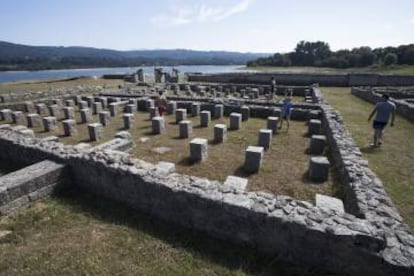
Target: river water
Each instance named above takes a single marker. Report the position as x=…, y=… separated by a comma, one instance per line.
x=10, y=76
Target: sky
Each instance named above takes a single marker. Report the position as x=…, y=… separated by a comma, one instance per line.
x=266, y=26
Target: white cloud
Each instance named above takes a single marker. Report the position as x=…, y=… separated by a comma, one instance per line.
x=411, y=21
x=200, y=14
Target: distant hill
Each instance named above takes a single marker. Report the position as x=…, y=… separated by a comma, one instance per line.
x=24, y=57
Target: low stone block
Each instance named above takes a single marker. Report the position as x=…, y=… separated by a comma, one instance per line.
x=90, y=100
x=185, y=129
x=131, y=108
x=29, y=107
x=86, y=115
x=265, y=138
x=171, y=108
x=235, y=121
x=220, y=133
x=69, y=112
x=235, y=183
x=18, y=117
x=253, y=159
x=33, y=120
x=54, y=110
x=50, y=123
x=41, y=109
x=83, y=105
x=6, y=115
x=245, y=112
x=205, y=118
x=129, y=119
x=180, y=115
x=330, y=203
x=158, y=125
x=314, y=127
x=96, y=107
x=272, y=123
x=218, y=111
x=69, y=103
x=198, y=149
x=104, y=102
x=95, y=131
x=149, y=103
x=69, y=127
x=113, y=109
x=153, y=112
x=28, y=133
x=317, y=144
x=195, y=109
x=104, y=117
x=318, y=168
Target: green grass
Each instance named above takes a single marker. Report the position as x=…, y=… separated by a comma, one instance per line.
x=396, y=69
x=394, y=161
x=79, y=234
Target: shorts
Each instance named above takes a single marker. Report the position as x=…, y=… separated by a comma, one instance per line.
x=378, y=125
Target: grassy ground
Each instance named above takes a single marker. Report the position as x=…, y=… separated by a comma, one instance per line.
x=394, y=161
x=55, y=84
x=78, y=234
x=396, y=69
x=283, y=171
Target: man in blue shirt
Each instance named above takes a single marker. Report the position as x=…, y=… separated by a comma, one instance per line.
x=383, y=111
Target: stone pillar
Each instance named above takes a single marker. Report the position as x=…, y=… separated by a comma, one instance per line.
x=33, y=120
x=104, y=118
x=153, y=111
x=104, y=102
x=69, y=112
x=265, y=138
x=314, y=126
x=131, y=108
x=318, y=168
x=83, y=105
x=253, y=159
x=54, y=110
x=78, y=99
x=6, y=115
x=96, y=108
x=235, y=120
x=195, y=109
x=185, y=128
x=113, y=109
x=205, y=118
x=86, y=115
x=70, y=103
x=180, y=115
x=272, y=123
x=245, y=112
x=41, y=109
x=218, y=111
x=69, y=127
x=317, y=144
x=158, y=125
x=220, y=133
x=95, y=131
x=18, y=117
x=149, y=103
x=198, y=149
x=29, y=107
x=90, y=100
x=171, y=107
x=129, y=119
x=50, y=123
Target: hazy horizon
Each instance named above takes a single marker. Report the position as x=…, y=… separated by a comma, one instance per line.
x=256, y=26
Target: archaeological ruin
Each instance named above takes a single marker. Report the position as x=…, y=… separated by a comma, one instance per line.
x=84, y=139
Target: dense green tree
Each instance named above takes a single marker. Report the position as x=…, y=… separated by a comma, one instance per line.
x=390, y=59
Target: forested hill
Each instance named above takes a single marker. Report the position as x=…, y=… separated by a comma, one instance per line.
x=24, y=57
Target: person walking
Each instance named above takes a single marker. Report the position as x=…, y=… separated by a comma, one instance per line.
x=286, y=110
x=272, y=88
x=383, y=111
x=161, y=103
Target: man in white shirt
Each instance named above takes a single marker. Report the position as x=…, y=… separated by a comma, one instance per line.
x=383, y=111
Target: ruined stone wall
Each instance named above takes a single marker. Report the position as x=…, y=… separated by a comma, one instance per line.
x=280, y=226
x=306, y=79
x=404, y=108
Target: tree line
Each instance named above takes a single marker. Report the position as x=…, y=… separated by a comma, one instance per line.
x=319, y=54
